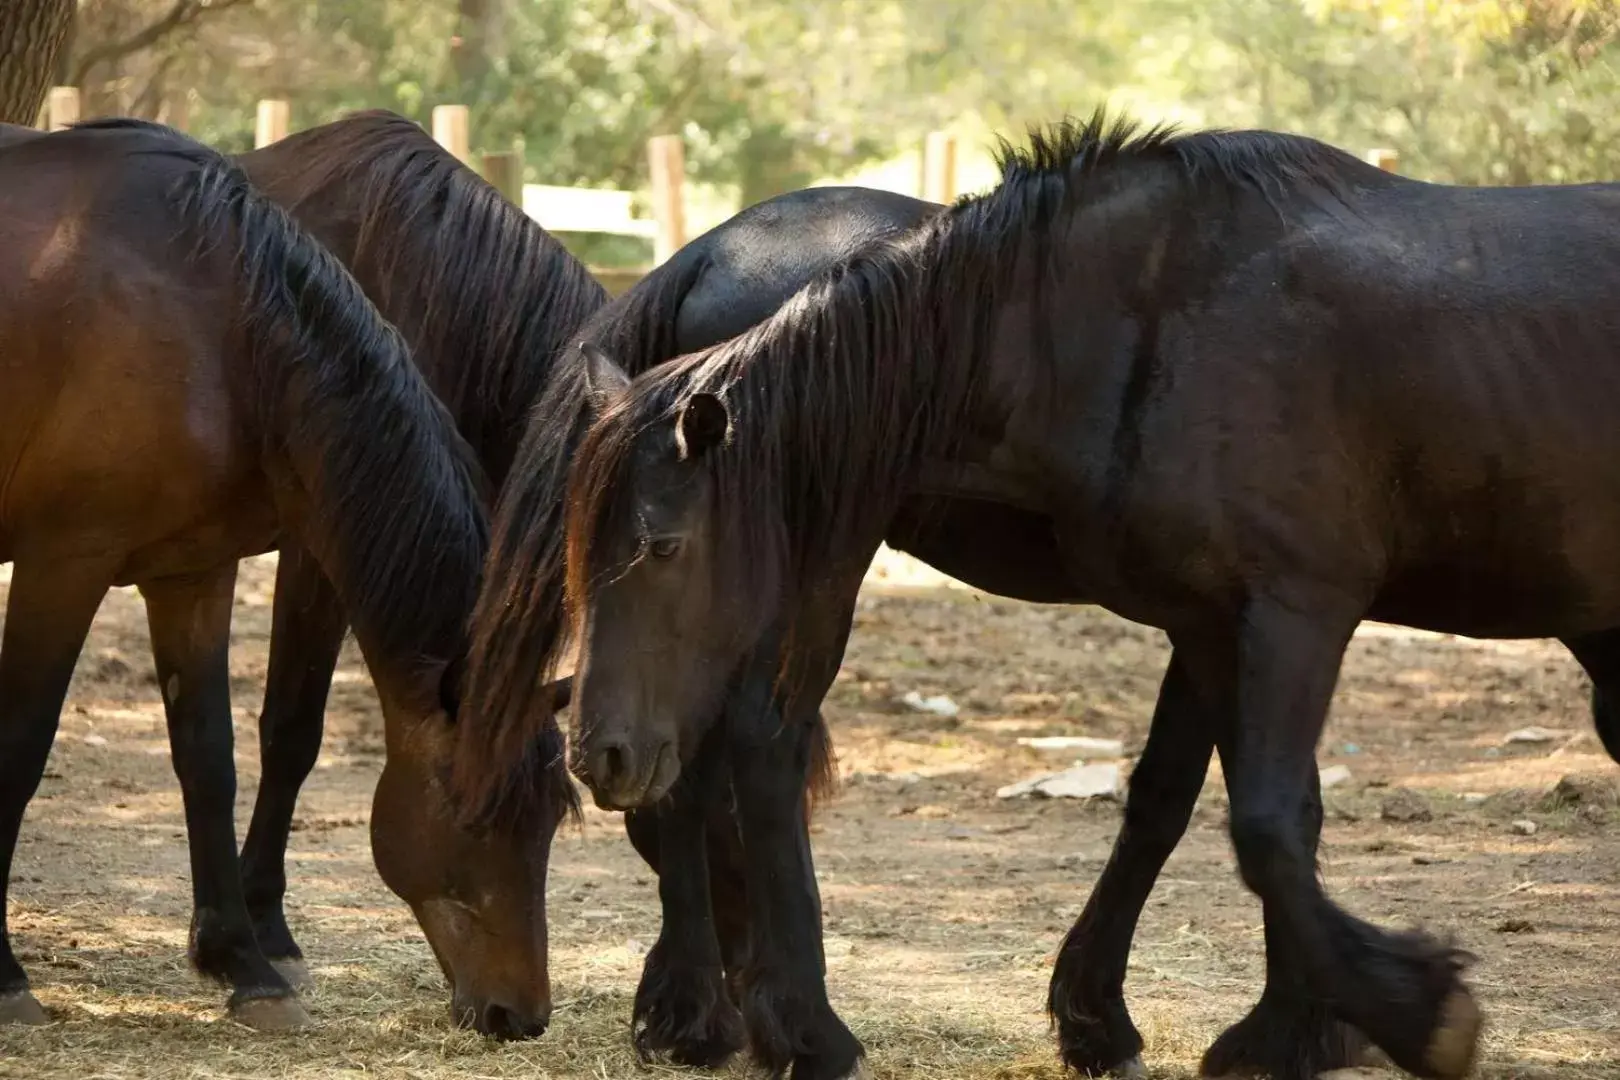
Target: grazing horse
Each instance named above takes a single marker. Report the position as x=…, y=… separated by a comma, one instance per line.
x=714, y=288
x=485, y=299
x=1261, y=390
x=188, y=379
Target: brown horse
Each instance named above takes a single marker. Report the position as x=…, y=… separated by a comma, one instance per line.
x=188, y=380
x=486, y=299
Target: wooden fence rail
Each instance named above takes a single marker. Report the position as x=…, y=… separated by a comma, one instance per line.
x=591, y=210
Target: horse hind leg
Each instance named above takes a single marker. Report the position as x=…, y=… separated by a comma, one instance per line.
x=1086, y=999
x=1599, y=655
x=190, y=620
x=48, y=614
x=306, y=636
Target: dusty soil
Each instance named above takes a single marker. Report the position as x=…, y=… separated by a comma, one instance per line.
x=943, y=903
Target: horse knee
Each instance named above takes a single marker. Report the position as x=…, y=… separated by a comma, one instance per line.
x=1267, y=843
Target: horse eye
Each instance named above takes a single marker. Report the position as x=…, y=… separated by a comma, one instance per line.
x=664, y=547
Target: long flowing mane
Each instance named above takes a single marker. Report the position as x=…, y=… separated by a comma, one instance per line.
x=871, y=370
x=519, y=626
x=338, y=398
x=486, y=297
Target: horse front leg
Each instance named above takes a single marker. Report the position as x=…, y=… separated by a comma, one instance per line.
x=682, y=1006
x=1402, y=989
x=48, y=613
x=190, y=621
x=1086, y=999
x=306, y=635
x=783, y=984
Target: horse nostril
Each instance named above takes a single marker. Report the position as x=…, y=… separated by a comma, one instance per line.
x=612, y=764
x=504, y=1023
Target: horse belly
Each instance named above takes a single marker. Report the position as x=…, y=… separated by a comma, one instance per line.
x=1555, y=574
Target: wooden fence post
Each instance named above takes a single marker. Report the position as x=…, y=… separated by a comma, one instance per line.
x=275, y=116
x=450, y=129
x=62, y=107
x=1385, y=159
x=939, y=167
x=504, y=171
x=666, y=160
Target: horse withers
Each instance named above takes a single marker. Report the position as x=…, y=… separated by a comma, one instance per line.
x=185, y=380
x=1260, y=389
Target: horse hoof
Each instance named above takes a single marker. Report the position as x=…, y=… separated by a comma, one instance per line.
x=296, y=972
x=270, y=1014
x=1130, y=1069
x=1452, y=1047
x=21, y=1007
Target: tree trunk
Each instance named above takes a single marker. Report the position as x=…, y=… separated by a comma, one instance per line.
x=32, y=33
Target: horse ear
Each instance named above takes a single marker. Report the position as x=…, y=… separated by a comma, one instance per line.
x=702, y=425
x=604, y=379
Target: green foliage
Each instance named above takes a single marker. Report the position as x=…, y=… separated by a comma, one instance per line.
x=772, y=94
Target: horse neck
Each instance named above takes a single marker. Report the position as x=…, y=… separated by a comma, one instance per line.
x=864, y=377
x=484, y=297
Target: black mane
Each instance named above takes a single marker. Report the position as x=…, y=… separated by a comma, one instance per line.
x=487, y=298
x=406, y=534
x=1265, y=160
x=520, y=624
x=338, y=398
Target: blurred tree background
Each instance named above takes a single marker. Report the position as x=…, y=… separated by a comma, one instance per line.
x=771, y=94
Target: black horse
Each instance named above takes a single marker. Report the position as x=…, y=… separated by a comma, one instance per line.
x=719, y=285
x=1260, y=390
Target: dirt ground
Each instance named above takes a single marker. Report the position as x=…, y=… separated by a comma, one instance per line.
x=943, y=903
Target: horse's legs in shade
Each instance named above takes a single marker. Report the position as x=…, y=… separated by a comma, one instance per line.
x=305, y=637
x=1403, y=990
x=1087, y=995
x=190, y=620
x=728, y=890
x=1599, y=654
x=784, y=987
x=681, y=1002
x=48, y=614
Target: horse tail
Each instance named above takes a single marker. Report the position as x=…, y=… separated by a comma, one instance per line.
x=364, y=461
x=1606, y=718
x=822, y=782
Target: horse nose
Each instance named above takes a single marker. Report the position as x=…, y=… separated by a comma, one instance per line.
x=508, y=1024
x=611, y=766
x=499, y=1020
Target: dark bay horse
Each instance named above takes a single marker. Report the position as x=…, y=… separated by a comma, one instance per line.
x=485, y=299
x=714, y=288
x=1260, y=389
x=189, y=379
